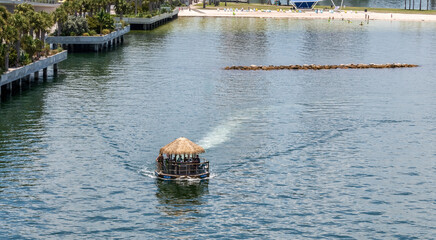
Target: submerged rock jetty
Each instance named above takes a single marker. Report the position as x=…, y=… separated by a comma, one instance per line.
x=321, y=67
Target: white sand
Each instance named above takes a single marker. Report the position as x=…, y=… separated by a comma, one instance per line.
x=347, y=15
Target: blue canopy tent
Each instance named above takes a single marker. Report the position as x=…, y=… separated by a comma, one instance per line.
x=304, y=4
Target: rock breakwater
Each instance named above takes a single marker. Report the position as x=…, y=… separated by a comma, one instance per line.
x=321, y=67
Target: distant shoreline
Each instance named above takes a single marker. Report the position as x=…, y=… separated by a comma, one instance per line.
x=339, y=15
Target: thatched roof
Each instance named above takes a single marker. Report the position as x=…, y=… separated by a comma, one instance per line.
x=181, y=146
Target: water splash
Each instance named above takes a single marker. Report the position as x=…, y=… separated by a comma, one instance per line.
x=224, y=131
x=146, y=172
x=150, y=173
x=220, y=134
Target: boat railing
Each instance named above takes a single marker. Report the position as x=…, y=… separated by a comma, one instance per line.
x=183, y=168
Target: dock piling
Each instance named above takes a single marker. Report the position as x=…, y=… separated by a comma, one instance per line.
x=20, y=85
x=9, y=89
x=55, y=69
x=44, y=74
x=36, y=76
x=29, y=83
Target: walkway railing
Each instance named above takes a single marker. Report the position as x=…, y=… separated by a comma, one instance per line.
x=183, y=168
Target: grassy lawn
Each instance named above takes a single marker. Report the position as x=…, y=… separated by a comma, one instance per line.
x=273, y=7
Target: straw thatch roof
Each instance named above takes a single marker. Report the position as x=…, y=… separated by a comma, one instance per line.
x=181, y=146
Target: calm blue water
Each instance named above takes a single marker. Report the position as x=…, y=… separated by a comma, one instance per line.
x=294, y=154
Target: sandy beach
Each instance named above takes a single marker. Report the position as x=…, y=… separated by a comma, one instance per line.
x=346, y=15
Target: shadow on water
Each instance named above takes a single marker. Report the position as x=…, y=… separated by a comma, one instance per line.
x=181, y=197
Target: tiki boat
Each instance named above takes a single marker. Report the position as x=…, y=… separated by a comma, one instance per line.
x=179, y=160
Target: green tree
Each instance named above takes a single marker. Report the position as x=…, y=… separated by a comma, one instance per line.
x=9, y=36
x=30, y=45
x=121, y=7
x=47, y=24
x=28, y=12
x=60, y=15
x=21, y=24
x=104, y=20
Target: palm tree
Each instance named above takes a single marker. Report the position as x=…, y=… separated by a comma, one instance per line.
x=36, y=24
x=60, y=16
x=4, y=15
x=22, y=26
x=121, y=7
x=47, y=23
x=9, y=35
x=28, y=12
x=101, y=18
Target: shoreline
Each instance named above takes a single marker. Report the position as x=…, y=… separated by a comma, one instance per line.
x=346, y=15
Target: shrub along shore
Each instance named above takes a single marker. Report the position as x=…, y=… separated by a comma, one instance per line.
x=22, y=36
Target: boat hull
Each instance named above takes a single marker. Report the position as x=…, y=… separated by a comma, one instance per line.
x=166, y=176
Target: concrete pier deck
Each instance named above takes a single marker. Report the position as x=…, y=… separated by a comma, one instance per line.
x=16, y=76
x=150, y=23
x=91, y=43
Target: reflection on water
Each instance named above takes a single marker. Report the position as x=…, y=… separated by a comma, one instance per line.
x=181, y=197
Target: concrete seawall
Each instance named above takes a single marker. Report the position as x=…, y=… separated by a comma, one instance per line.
x=150, y=23
x=90, y=43
x=15, y=77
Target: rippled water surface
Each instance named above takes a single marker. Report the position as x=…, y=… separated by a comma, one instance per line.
x=294, y=154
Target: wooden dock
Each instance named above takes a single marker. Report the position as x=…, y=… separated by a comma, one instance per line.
x=90, y=43
x=16, y=77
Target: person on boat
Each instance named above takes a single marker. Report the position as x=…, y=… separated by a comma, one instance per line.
x=167, y=164
x=159, y=160
x=197, y=159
